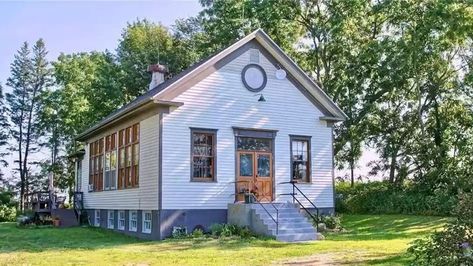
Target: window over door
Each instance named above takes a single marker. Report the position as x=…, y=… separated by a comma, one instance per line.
x=203, y=154
x=300, y=159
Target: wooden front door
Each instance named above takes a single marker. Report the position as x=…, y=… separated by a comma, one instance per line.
x=255, y=174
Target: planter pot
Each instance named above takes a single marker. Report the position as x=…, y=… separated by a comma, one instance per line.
x=249, y=199
x=56, y=223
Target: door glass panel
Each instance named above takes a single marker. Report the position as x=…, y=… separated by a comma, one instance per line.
x=246, y=164
x=264, y=165
x=253, y=144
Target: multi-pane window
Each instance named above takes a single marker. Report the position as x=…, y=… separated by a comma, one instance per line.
x=97, y=218
x=146, y=222
x=133, y=224
x=300, y=158
x=203, y=150
x=96, y=165
x=121, y=220
x=110, y=161
x=111, y=220
x=128, y=157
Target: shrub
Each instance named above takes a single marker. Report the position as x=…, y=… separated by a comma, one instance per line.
x=332, y=221
x=7, y=214
x=198, y=233
x=454, y=245
x=385, y=198
x=227, y=230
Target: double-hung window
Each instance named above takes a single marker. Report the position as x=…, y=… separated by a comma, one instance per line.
x=129, y=157
x=121, y=220
x=146, y=227
x=203, y=154
x=97, y=218
x=300, y=159
x=96, y=165
x=111, y=220
x=110, y=161
x=133, y=223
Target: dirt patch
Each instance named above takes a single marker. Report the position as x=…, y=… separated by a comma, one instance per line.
x=313, y=260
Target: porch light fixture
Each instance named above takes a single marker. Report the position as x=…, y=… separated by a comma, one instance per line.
x=261, y=97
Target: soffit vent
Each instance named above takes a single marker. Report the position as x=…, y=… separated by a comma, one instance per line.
x=254, y=56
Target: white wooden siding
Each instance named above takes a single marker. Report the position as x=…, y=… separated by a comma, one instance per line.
x=145, y=197
x=220, y=101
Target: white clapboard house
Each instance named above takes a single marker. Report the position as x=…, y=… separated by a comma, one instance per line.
x=237, y=127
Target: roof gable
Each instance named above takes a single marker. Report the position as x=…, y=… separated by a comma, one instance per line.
x=273, y=52
x=166, y=91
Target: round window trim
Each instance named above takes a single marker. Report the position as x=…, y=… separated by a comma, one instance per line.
x=247, y=86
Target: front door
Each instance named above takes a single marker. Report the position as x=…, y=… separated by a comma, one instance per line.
x=255, y=169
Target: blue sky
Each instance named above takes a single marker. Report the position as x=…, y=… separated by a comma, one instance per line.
x=70, y=27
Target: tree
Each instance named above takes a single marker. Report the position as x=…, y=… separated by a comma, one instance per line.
x=4, y=126
x=30, y=75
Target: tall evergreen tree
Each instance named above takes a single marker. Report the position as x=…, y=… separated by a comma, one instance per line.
x=4, y=126
x=30, y=75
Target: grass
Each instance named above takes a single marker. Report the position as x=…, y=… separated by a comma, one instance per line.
x=369, y=239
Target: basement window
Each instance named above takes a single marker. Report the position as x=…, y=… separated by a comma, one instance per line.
x=133, y=221
x=146, y=222
x=121, y=220
x=111, y=220
x=97, y=218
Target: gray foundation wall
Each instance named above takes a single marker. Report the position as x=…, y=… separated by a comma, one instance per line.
x=163, y=221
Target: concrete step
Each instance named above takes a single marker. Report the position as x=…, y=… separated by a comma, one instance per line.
x=296, y=237
x=294, y=231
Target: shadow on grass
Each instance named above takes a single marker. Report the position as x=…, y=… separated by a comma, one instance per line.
x=387, y=227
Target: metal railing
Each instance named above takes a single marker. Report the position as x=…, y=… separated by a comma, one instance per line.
x=294, y=199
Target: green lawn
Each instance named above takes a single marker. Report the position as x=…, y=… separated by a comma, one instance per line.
x=369, y=239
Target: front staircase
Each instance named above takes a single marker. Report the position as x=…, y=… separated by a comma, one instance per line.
x=292, y=225
x=284, y=221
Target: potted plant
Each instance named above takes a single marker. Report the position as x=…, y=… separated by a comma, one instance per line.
x=56, y=221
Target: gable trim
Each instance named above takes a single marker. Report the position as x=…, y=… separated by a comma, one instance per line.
x=306, y=85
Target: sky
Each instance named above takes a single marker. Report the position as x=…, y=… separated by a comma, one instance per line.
x=73, y=26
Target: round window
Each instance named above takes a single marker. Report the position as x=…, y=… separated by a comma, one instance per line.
x=254, y=77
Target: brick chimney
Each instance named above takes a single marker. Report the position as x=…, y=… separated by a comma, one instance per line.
x=158, y=71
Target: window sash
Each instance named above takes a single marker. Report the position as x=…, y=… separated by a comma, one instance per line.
x=301, y=167
x=97, y=217
x=147, y=218
x=111, y=219
x=133, y=221
x=203, y=154
x=121, y=220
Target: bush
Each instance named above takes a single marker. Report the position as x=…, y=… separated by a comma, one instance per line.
x=385, y=198
x=7, y=214
x=331, y=221
x=454, y=245
x=227, y=230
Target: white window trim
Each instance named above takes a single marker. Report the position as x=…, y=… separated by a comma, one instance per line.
x=143, y=228
x=97, y=218
x=119, y=219
x=133, y=229
x=110, y=225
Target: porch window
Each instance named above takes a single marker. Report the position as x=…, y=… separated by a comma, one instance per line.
x=300, y=159
x=97, y=218
x=110, y=161
x=203, y=154
x=146, y=222
x=121, y=220
x=128, y=157
x=133, y=221
x=111, y=220
x=96, y=165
